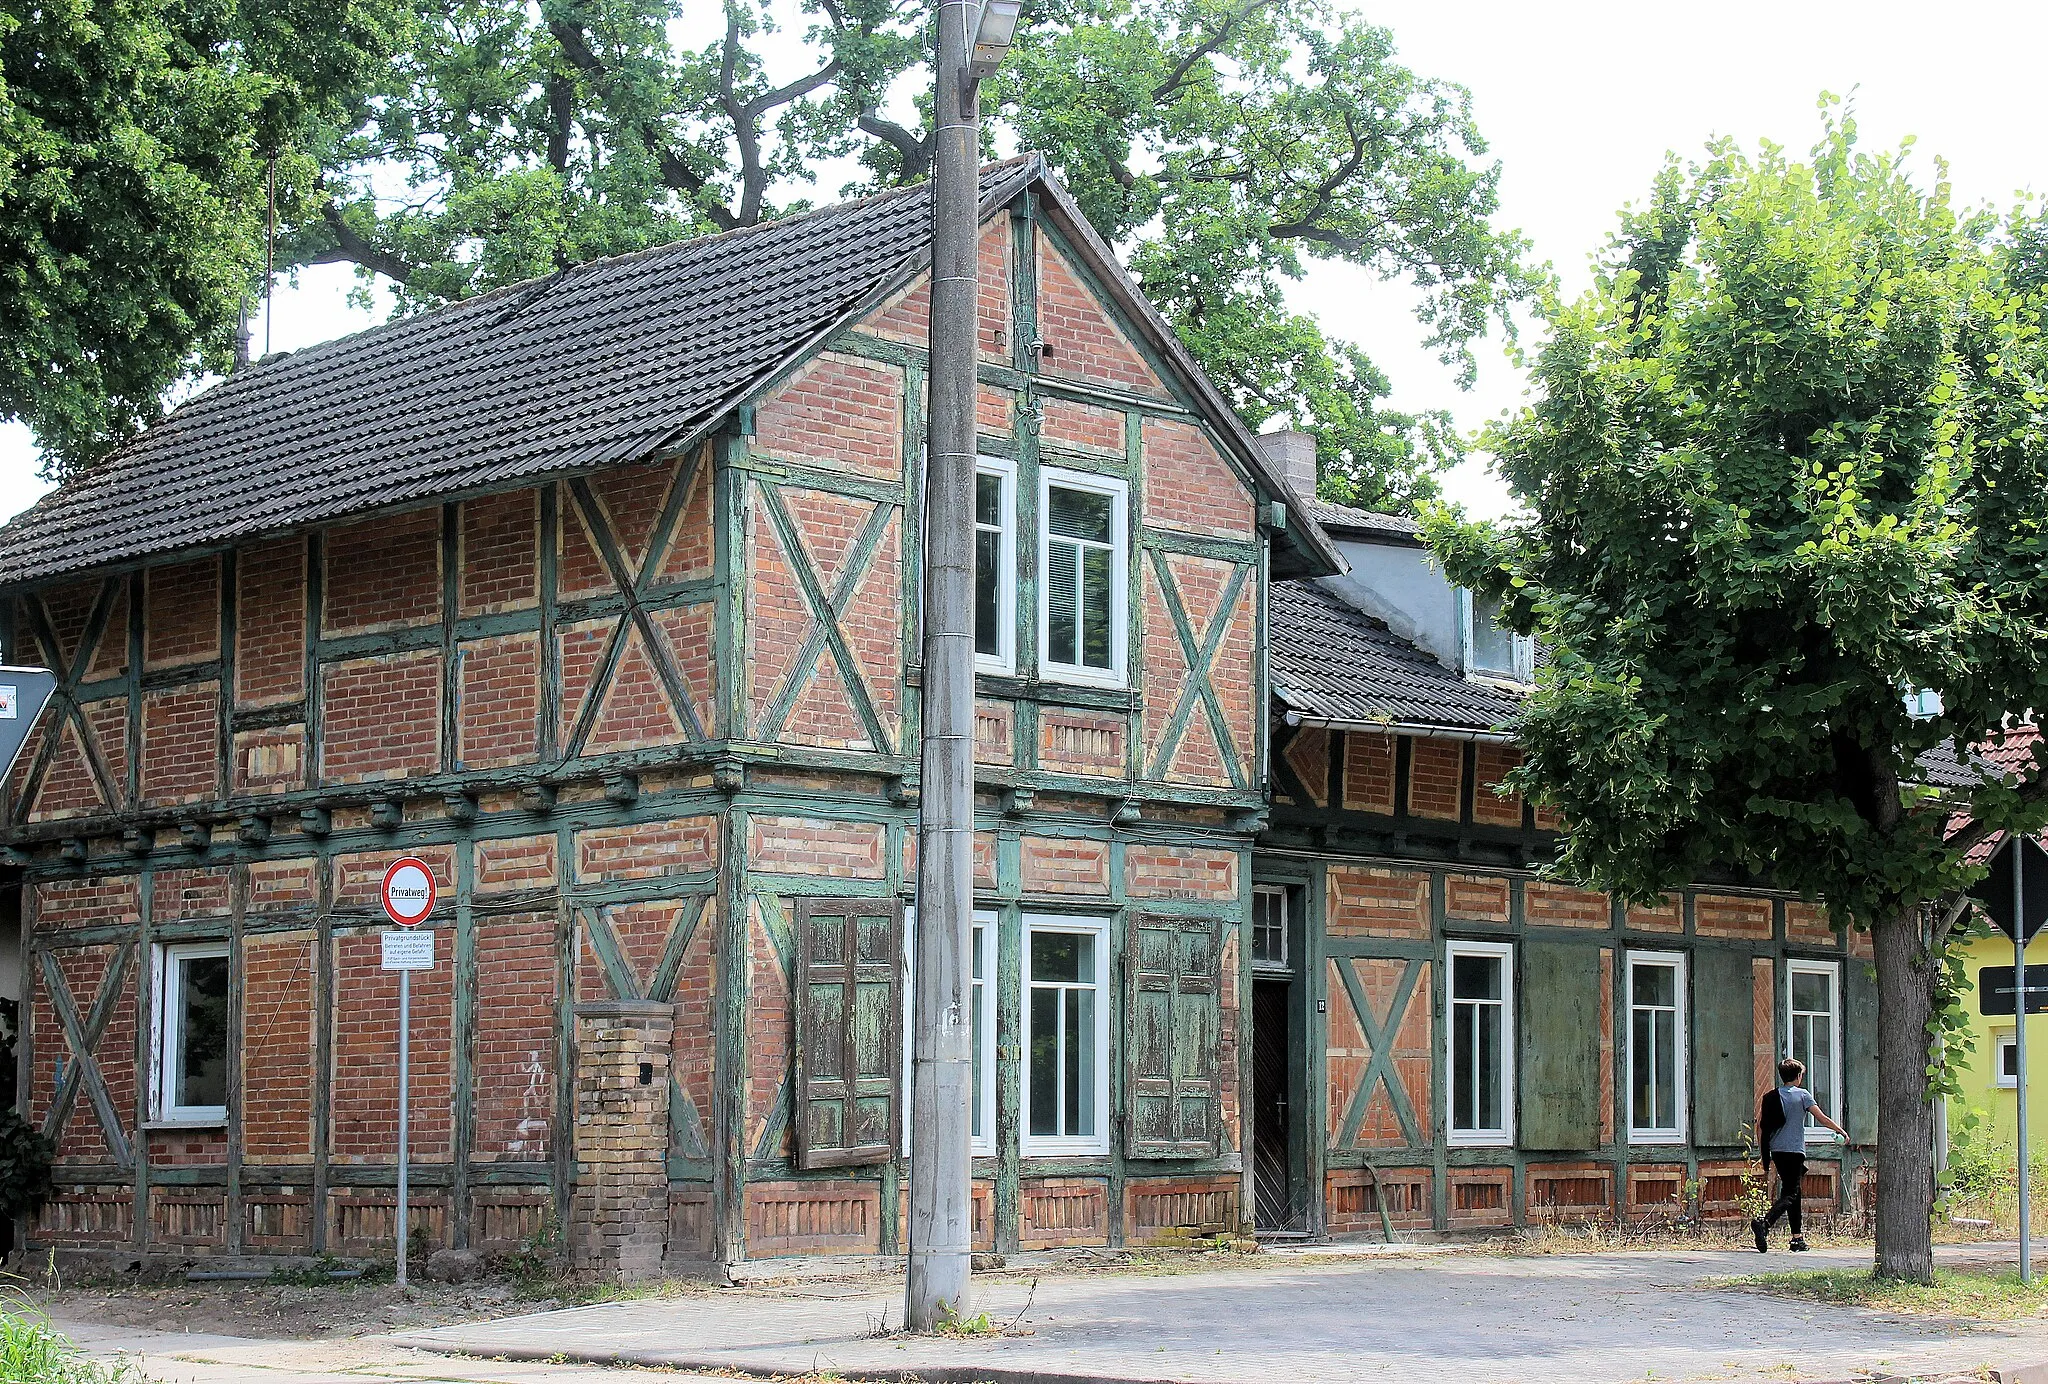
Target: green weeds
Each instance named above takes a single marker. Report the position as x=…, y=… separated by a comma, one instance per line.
x=34, y=1352
x=1973, y=1293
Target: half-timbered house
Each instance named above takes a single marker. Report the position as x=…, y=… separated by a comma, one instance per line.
x=1443, y=1040
x=599, y=594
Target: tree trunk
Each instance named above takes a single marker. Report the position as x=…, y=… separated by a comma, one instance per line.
x=1905, y=1115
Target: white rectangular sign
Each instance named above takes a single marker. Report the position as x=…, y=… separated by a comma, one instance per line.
x=408, y=951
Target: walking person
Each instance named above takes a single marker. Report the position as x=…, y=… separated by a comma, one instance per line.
x=1781, y=1130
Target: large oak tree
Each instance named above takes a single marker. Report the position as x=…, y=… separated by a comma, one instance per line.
x=136, y=147
x=1786, y=461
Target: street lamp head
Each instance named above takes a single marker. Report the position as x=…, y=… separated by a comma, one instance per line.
x=994, y=28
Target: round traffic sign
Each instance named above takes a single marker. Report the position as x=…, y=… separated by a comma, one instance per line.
x=408, y=891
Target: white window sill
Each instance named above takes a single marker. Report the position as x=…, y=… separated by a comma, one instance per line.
x=192, y=1123
x=1086, y=1148
x=1498, y=1139
x=1652, y=1138
x=1082, y=677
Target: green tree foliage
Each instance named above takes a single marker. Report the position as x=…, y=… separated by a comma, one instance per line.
x=1220, y=145
x=25, y=1157
x=1787, y=461
x=134, y=143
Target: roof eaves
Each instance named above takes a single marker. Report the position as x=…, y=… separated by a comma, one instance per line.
x=1424, y=730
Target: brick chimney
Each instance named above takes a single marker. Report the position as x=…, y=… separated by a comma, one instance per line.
x=1293, y=455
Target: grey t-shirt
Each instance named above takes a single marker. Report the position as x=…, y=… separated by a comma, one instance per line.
x=1790, y=1137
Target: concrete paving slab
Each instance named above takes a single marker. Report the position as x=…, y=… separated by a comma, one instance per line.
x=185, y=1357
x=1454, y=1319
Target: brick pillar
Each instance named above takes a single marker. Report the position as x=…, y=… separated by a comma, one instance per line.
x=619, y=1221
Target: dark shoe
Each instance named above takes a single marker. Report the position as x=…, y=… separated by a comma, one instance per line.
x=1799, y=1244
x=1756, y=1228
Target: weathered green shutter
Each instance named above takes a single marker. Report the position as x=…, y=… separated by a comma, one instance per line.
x=1724, y=1093
x=848, y=1039
x=1174, y=1024
x=1859, y=1051
x=1560, y=1046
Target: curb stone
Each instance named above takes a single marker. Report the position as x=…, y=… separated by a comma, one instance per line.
x=921, y=1374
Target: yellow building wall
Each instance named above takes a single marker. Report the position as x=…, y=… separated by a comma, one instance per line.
x=1998, y=1106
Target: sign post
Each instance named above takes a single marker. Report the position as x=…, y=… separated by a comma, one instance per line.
x=2019, y=909
x=2019, y=1042
x=408, y=897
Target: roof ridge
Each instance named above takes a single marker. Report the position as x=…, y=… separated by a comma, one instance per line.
x=557, y=277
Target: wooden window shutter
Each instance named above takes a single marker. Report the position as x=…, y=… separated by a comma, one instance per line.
x=848, y=1036
x=1723, y=1079
x=1174, y=1025
x=1559, y=1067
x=1856, y=1031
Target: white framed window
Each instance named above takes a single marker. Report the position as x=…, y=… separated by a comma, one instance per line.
x=1491, y=648
x=1479, y=995
x=1065, y=1081
x=995, y=565
x=981, y=1018
x=1082, y=561
x=1269, y=927
x=1814, y=1008
x=190, y=1029
x=1656, y=1047
x=2007, y=1073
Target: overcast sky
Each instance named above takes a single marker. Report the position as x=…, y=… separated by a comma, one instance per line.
x=1580, y=100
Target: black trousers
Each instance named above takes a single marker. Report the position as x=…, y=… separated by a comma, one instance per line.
x=1791, y=1180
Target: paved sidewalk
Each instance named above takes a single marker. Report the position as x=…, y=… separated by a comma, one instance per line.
x=191, y=1357
x=1464, y=1319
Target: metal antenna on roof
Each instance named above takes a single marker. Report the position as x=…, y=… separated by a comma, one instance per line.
x=270, y=255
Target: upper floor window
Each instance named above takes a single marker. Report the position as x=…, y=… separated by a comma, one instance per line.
x=1081, y=563
x=191, y=1030
x=995, y=565
x=1491, y=647
x=1923, y=704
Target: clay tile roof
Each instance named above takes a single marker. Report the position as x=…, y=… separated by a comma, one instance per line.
x=2014, y=754
x=1333, y=662
x=605, y=362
